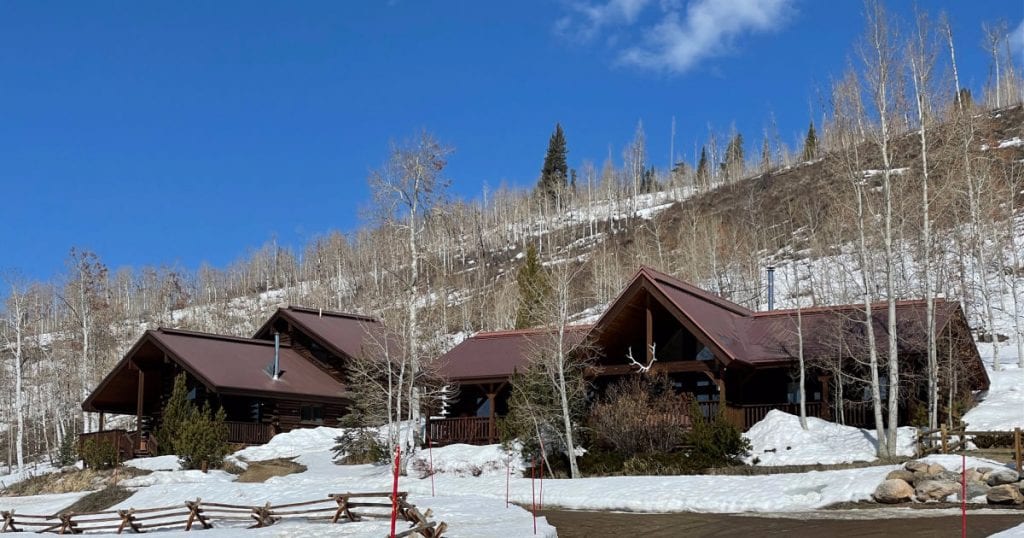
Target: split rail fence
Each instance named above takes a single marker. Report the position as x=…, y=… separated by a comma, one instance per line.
x=335, y=508
x=944, y=440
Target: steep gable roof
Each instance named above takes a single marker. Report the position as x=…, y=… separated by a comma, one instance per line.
x=341, y=333
x=228, y=365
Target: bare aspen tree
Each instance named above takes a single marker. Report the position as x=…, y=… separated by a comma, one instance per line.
x=409, y=186
x=921, y=63
x=14, y=324
x=880, y=69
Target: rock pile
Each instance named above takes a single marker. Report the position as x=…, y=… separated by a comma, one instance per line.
x=922, y=482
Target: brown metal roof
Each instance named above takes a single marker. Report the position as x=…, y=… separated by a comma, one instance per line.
x=738, y=333
x=231, y=364
x=342, y=333
x=497, y=355
x=226, y=364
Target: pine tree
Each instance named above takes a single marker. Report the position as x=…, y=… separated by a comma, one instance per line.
x=203, y=439
x=554, y=175
x=534, y=289
x=703, y=172
x=177, y=411
x=810, y=144
x=732, y=166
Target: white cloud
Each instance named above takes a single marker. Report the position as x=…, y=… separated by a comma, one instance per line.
x=677, y=39
x=1017, y=39
x=587, y=20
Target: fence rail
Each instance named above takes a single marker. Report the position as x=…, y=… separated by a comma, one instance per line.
x=944, y=440
x=335, y=508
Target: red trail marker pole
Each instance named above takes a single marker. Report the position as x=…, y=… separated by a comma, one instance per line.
x=533, y=491
x=963, y=498
x=430, y=452
x=394, y=491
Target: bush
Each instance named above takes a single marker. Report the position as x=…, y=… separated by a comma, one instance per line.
x=715, y=442
x=640, y=415
x=99, y=454
x=997, y=440
x=662, y=464
x=67, y=453
x=203, y=438
x=175, y=415
x=358, y=446
x=598, y=462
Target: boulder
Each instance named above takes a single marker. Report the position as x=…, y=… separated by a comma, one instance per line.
x=1005, y=494
x=935, y=490
x=984, y=470
x=950, y=476
x=901, y=474
x=973, y=476
x=976, y=489
x=915, y=466
x=1002, y=476
x=935, y=469
x=892, y=491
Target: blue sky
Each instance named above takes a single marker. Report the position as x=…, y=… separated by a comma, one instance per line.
x=181, y=132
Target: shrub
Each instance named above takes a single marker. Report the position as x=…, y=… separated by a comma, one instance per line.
x=640, y=415
x=662, y=464
x=99, y=454
x=67, y=453
x=358, y=446
x=715, y=442
x=176, y=414
x=601, y=462
x=203, y=438
x=997, y=440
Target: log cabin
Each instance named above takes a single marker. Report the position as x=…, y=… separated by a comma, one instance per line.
x=727, y=358
x=289, y=375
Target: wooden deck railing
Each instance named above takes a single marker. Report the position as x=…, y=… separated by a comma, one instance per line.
x=752, y=414
x=249, y=433
x=123, y=440
x=468, y=430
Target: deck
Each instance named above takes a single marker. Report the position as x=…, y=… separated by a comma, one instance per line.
x=130, y=444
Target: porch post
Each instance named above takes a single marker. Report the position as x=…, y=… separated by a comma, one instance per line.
x=138, y=403
x=650, y=331
x=102, y=420
x=491, y=425
x=826, y=407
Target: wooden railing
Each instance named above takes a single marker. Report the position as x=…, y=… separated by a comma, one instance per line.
x=249, y=433
x=468, y=430
x=123, y=440
x=752, y=414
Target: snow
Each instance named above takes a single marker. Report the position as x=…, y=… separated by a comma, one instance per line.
x=41, y=504
x=158, y=463
x=467, y=460
x=7, y=480
x=1002, y=409
x=778, y=439
x=1015, y=532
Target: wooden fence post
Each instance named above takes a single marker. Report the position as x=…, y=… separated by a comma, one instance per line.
x=8, y=522
x=1018, y=449
x=945, y=434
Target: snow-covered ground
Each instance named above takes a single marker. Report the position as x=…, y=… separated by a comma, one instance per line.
x=778, y=439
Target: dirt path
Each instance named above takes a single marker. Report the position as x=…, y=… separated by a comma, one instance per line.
x=574, y=524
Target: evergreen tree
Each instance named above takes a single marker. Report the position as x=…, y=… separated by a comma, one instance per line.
x=703, y=172
x=534, y=290
x=554, y=175
x=732, y=166
x=203, y=439
x=177, y=411
x=810, y=144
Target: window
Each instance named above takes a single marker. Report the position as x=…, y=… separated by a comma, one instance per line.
x=705, y=354
x=312, y=413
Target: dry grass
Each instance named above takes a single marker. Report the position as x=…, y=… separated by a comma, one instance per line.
x=72, y=481
x=260, y=471
x=752, y=470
